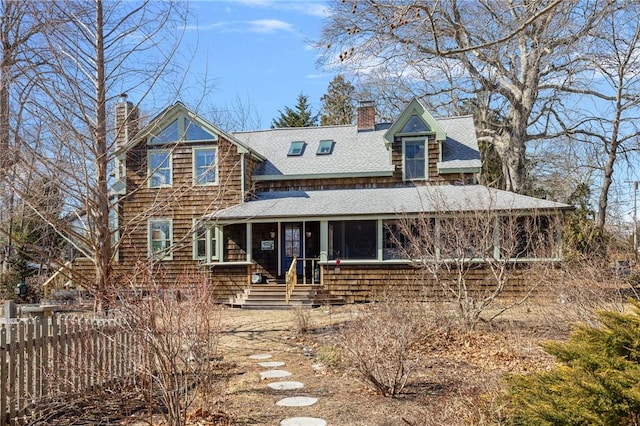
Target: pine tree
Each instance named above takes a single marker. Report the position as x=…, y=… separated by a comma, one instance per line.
x=596, y=383
x=338, y=103
x=301, y=116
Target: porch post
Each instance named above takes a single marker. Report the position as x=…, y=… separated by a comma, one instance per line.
x=249, y=241
x=380, y=232
x=324, y=240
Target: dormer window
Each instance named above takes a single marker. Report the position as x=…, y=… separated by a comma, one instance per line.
x=325, y=147
x=296, y=149
x=415, y=125
x=414, y=158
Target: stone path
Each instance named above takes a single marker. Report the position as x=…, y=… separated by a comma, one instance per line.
x=290, y=401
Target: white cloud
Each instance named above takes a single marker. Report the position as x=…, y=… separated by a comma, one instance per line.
x=268, y=26
x=261, y=26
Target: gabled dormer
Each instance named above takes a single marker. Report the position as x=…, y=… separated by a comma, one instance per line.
x=425, y=148
x=179, y=144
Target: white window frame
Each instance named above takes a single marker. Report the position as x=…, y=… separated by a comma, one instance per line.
x=212, y=237
x=406, y=140
x=195, y=151
x=151, y=171
x=168, y=251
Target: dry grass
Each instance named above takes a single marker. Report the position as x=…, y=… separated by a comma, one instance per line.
x=456, y=378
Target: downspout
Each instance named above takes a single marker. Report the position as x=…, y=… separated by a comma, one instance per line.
x=242, y=176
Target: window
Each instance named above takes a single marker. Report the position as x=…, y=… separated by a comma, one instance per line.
x=205, y=241
x=204, y=166
x=415, y=159
x=355, y=239
x=182, y=128
x=193, y=132
x=325, y=147
x=166, y=135
x=160, y=239
x=296, y=149
x=528, y=237
x=159, y=165
x=415, y=125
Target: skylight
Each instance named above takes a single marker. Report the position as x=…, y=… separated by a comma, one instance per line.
x=325, y=147
x=296, y=149
x=415, y=125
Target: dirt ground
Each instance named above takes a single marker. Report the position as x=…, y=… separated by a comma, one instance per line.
x=457, y=381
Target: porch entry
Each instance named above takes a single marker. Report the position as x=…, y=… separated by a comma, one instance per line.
x=300, y=239
x=291, y=245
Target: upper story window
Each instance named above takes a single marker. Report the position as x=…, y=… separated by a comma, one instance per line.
x=205, y=170
x=181, y=129
x=414, y=156
x=296, y=149
x=160, y=239
x=166, y=135
x=325, y=147
x=415, y=125
x=159, y=167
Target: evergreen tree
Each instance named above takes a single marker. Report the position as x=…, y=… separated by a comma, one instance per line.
x=338, y=103
x=301, y=116
x=596, y=383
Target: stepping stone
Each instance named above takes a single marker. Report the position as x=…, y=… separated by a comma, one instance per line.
x=303, y=421
x=285, y=385
x=260, y=356
x=271, y=364
x=274, y=374
x=297, y=401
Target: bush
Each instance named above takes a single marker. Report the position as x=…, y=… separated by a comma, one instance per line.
x=596, y=383
x=378, y=345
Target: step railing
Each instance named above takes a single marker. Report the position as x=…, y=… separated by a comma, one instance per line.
x=291, y=278
x=57, y=280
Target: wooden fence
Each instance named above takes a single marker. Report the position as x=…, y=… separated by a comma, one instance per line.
x=45, y=359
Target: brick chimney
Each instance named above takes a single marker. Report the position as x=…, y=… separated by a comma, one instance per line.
x=366, y=116
x=127, y=117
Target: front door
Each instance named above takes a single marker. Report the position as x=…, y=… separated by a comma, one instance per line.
x=291, y=246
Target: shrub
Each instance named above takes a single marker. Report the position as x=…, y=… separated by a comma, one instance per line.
x=378, y=345
x=597, y=381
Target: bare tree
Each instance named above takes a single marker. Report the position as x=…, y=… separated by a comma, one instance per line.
x=608, y=128
x=177, y=329
x=98, y=50
x=474, y=258
x=515, y=58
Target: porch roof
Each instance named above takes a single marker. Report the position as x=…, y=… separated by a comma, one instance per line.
x=438, y=199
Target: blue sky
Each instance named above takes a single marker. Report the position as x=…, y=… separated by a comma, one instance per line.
x=258, y=51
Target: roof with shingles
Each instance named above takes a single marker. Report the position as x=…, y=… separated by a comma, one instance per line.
x=437, y=199
x=354, y=152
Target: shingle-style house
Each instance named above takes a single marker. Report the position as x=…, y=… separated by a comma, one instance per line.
x=319, y=202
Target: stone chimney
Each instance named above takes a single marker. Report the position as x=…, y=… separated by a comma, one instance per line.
x=366, y=116
x=127, y=118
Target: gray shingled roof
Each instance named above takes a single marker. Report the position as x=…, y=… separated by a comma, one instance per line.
x=460, y=150
x=383, y=201
x=355, y=153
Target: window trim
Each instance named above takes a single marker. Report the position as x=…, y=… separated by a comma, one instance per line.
x=168, y=250
x=212, y=234
x=151, y=171
x=194, y=168
x=406, y=140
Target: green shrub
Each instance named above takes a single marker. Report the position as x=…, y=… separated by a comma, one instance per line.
x=597, y=381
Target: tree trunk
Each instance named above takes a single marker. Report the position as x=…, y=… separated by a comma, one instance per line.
x=101, y=194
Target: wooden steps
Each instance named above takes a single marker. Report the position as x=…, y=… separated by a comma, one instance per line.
x=272, y=296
